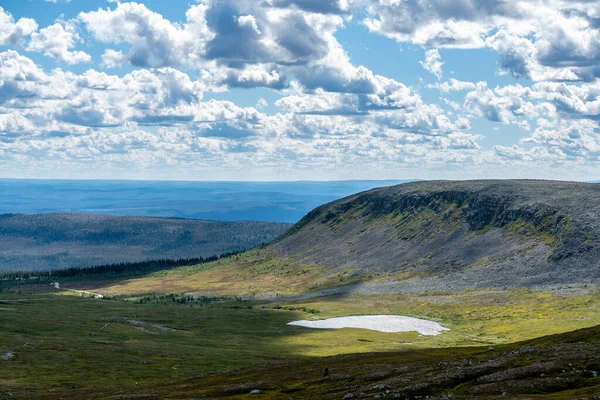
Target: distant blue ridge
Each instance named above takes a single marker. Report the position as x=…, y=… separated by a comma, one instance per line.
x=218, y=201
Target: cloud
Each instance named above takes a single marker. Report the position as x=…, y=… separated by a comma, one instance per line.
x=394, y=108
x=437, y=23
x=335, y=73
x=95, y=99
x=573, y=139
x=261, y=103
x=18, y=77
x=332, y=113
x=504, y=108
x=556, y=40
x=566, y=128
x=385, y=95
x=433, y=63
x=56, y=41
x=113, y=58
x=539, y=40
x=224, y=130
x=246, y=33
x=514, y=52
x=232, y=33
x=566, y=142
x=552, y=100
x=154, y=40
x=242, y=43
x=15, y=67
x=66, y=118
x=453, y=85
x=13, y=33
x=318, y=6
x=253, y=76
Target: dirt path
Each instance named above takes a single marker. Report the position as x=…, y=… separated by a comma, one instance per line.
x=81, y=292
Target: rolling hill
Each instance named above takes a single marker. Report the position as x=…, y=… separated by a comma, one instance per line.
x=416, y=238
x=444, y=235
x=52, y=241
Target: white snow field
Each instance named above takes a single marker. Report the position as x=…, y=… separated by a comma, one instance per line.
x=381, y=323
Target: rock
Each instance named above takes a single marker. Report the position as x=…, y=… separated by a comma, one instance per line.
x=255, y=391
x=349, y=396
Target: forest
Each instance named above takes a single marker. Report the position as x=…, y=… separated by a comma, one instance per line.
x=63, y=241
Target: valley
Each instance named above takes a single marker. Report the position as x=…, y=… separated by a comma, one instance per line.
x=509, y=268
x=90, y=348
x=300, y=199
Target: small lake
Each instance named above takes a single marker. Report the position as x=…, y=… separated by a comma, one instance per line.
x=381, y=323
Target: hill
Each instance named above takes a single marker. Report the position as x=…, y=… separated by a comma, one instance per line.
x=445, y=235
x=51, y=241
x=418, y=237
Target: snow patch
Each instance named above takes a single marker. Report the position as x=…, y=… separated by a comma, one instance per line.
x=381, y=323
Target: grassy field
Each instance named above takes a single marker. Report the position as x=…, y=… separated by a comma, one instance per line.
x=258, y=271
x=59, y=341
x=67, y=341
x=477, y=317
x=62, y=341
x=559, y=367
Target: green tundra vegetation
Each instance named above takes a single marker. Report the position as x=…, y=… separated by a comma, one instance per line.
x=60, y=340
x=514, y=278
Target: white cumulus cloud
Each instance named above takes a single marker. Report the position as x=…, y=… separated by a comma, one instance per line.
x=433, y=63
x=56, y=41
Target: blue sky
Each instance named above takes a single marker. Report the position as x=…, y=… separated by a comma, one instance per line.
x=299, y=89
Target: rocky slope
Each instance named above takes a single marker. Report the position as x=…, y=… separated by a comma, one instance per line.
x=455, y=235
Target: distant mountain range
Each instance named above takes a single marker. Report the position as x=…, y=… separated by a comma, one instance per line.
x=218, y=201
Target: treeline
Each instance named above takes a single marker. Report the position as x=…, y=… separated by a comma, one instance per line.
x=233, y=302
x=117, y=269
x=181, y=298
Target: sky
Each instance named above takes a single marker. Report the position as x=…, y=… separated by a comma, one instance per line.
x=300, y=89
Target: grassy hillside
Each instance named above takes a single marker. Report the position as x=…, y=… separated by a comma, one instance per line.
x=53, y=241
x=415, y=238
x=457, y=235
